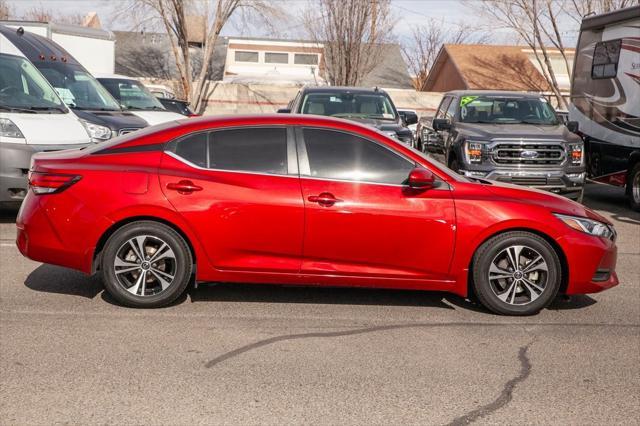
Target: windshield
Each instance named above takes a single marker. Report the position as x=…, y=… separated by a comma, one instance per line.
x=504, y=110
x=132, y=94
x=77, y=88
x=23, y=89
x=349, y=105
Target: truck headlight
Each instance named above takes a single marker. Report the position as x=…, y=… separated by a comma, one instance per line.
x=576, y=153
x=8, y=129
x=588, y=226
x=97, y=132
x=473, y=151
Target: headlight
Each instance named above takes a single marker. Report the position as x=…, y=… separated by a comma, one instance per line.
x=406, y=139
x=8, y=129
x=576, y=153
x=588, y=226
x=97, y=132
x=473, y=151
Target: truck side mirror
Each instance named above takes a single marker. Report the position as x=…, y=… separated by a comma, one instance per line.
x=573, y=126
x=409, y=117
x=441, y=124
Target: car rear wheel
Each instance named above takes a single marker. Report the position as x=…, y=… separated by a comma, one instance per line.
x=633, y=187
x=516, y=273
x=146, y=265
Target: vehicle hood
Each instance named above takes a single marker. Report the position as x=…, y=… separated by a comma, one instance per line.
x=516, y=131
x=115, y=120
x=158, y=117
x=382, y=125
x=554, y=203
x=48, y=129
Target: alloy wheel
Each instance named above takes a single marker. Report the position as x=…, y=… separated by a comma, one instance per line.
x=145, y=265
x=518, y=275
x=635, y=188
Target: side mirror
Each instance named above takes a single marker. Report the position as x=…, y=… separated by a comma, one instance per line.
x=410, y=117
x=420, y=178
x=441, y=124
x=573, y=126
x=284, y=111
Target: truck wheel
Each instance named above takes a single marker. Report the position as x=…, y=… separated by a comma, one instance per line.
x=633, y=187
x=516, y=273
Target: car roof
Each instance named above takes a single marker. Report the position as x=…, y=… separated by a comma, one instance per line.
x=114, y=76
x=341, y=89
x=494, y=93
x=35, y=47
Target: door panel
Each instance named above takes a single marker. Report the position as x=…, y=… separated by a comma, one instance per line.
x=377, y=230
x=246, y=221
x=361, y=220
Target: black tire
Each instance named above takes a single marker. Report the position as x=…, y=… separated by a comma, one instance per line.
x=633, y=187
x=181, y=265
x=488, y=252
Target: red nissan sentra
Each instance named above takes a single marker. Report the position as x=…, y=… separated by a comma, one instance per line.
x=295, y=199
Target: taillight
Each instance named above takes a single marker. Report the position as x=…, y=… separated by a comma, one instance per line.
x=576, y=154
x=50, y=183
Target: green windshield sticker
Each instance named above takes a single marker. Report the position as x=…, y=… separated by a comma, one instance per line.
x=467, y=99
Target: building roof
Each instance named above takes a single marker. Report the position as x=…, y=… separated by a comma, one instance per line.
x=490, y=67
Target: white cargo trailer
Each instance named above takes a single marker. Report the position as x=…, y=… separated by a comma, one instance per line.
x=94, y=48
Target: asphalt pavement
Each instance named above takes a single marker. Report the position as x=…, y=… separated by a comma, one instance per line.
x=256, y=354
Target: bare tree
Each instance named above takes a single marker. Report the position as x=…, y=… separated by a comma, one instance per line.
x=353, y=33
x=42, y=14
x=536, y=22
x=425, y=43
x=5, y=10
x=176, y=18
x=578, y=9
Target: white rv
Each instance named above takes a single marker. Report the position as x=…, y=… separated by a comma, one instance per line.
x=605, y=98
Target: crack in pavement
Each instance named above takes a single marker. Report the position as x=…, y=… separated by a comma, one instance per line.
x=505, y=396
x=352, y=332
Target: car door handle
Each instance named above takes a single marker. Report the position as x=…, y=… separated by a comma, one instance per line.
x=184, y=187
x=326, y=199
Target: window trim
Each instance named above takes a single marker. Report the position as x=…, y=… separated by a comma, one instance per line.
x=292, y=163
x=305, y=168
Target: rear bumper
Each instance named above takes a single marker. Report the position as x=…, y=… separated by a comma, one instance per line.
x=591, y=262
x=15, y=160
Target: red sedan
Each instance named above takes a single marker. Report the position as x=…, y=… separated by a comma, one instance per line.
x=294, y=199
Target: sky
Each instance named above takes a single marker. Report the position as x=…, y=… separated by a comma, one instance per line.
x=408, y=13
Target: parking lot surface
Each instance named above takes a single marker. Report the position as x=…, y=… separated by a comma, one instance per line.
x=249, y=354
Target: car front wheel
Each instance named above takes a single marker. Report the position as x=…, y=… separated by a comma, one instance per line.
x=516, y=273
x=146, y=265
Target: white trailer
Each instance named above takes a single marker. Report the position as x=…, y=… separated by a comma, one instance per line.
x=94, y=48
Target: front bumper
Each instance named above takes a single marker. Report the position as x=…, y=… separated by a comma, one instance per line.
x=15, y=160
x=565, y=182
x=591, y=263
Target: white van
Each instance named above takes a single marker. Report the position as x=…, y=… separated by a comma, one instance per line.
x=33, y=118
x=136, y=98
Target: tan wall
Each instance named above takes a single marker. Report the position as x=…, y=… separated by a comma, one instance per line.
x=448, y=78
x=239, y=98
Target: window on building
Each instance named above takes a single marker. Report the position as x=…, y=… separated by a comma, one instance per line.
x=242, y=56
x=276, y=58
x=305, y=59
x=605, y=59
